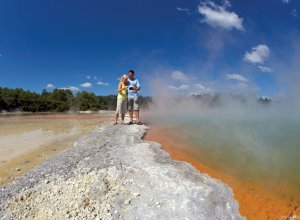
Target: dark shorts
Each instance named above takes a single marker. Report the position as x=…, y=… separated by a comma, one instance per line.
x=133, y=104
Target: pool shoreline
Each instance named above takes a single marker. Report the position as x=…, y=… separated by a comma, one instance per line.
x=254, y=201
x=114, y=177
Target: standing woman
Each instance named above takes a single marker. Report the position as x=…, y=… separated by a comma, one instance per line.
x=122, y=99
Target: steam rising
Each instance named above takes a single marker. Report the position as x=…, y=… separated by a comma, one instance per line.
x=248, y=135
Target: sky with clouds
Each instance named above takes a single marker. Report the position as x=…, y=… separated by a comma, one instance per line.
x=191, y=46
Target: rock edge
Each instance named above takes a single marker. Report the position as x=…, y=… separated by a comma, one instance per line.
x=113, y=174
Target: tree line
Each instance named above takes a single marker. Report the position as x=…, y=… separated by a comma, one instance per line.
x=58, y=100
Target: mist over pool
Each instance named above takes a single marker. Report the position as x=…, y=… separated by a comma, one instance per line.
x=245, y=137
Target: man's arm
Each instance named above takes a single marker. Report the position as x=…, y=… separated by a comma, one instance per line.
x=138, y=86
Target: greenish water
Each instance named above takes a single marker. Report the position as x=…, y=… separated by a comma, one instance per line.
x=264, y=150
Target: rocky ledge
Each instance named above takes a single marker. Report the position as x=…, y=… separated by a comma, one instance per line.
x=113, y=174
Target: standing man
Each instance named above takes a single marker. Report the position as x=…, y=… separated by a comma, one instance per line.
x=133, y=102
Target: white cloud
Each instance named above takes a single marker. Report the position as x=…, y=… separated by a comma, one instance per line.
x=226, y=3
x=243, y=88
x=178, y=75
x=258, y=54
x=172, y=87
x=184, y=10
x=103, y=83
x=86, y=85
x=285, y=1
x=218, y=16
x=265, y=69
x=72, y=88
x=184, y=87
x=294, y=13
x=49, y=86
x=237, y=77
x=202, y=89
x=199, y=86
x=181, y=87
x=88, y=77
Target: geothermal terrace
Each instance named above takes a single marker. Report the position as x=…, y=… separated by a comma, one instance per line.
x=112, y=173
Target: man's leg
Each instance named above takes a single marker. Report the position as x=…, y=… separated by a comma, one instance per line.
x=137, y=116
x=130, y=108
x=137, y=110
x=131, y=116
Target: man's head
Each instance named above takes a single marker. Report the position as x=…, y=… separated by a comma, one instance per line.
x=131, y=74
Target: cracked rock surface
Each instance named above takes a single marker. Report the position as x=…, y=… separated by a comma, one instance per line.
x=113, y=174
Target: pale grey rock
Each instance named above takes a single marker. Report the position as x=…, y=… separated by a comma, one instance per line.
x=113, y=174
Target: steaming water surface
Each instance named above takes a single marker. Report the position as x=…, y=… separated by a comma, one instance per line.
x=263, y=150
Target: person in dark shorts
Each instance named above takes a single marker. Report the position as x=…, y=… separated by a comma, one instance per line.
x=132, y=97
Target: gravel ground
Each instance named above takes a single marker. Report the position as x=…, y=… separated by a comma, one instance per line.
x=113, y=174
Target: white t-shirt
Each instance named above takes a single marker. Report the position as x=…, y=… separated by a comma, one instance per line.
x=132, y=83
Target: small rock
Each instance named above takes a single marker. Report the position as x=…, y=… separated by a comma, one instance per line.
x=18, y=169
x=136, y=194
x=127, y=201
x=56, y=191
x=158, y=204
x=47, y=181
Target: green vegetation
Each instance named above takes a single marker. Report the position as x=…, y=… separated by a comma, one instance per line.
x=59, y=100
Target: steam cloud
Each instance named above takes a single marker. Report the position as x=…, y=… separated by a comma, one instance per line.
x=228, y=117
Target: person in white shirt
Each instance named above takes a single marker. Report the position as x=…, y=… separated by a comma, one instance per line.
x=133, y=101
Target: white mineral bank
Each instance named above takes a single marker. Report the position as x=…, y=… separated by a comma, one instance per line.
x=113, y=174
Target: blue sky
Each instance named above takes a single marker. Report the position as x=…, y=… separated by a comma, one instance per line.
x=190, y=46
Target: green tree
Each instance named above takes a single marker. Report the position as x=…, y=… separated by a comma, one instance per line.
x=86, y=101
